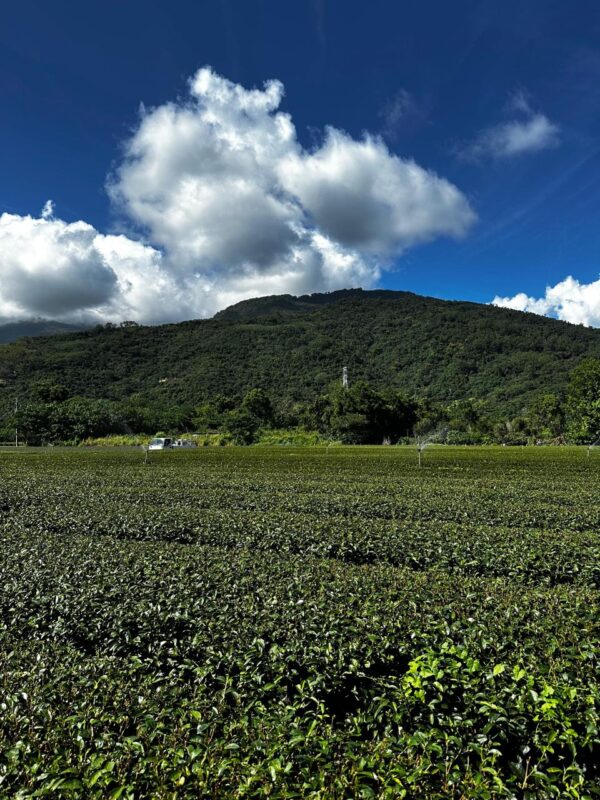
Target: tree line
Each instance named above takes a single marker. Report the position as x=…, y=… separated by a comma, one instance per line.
x=359, y=414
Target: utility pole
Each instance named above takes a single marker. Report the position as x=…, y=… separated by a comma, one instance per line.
x=16, y=426
x=345, y=377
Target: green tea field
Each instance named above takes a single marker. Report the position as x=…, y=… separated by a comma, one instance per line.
x=300, y=623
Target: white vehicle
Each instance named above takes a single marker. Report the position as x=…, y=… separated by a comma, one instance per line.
x=184, y=443
x=160, y=444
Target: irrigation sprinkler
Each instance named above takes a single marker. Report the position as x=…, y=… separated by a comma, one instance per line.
x=146, y=450
x=421, y=445
x=590, y=447
x=424, y=440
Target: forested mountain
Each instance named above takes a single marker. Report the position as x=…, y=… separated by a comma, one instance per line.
x=294, y=348
x=11, y=331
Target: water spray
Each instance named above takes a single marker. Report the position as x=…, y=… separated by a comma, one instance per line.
x=424, y=440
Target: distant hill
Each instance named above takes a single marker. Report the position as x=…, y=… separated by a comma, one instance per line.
x=295, y=348
x=11, y=331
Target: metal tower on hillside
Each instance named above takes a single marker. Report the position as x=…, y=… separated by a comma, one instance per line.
x=345, y=377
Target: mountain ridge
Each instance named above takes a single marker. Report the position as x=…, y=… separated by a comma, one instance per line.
x=11, y=331
x=295, y=347
x=297, y=304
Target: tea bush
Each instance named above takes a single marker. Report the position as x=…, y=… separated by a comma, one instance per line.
x=322, y=623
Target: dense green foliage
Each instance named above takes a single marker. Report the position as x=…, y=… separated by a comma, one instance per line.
x=358, y=414
x=583, y=401
x=294, y=349
x=323, y=623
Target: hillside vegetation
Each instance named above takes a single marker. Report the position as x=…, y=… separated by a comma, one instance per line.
x=294, y=349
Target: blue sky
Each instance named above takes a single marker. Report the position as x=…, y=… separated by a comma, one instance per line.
x=501, y=100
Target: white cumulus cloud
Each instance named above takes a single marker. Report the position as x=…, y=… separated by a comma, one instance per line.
x=69, y=271
x=227, y=204
x=362, y=196
x=49, y=267
x=568, y=300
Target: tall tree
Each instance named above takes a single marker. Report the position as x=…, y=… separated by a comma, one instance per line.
x=546, y=417
x=583, y=402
